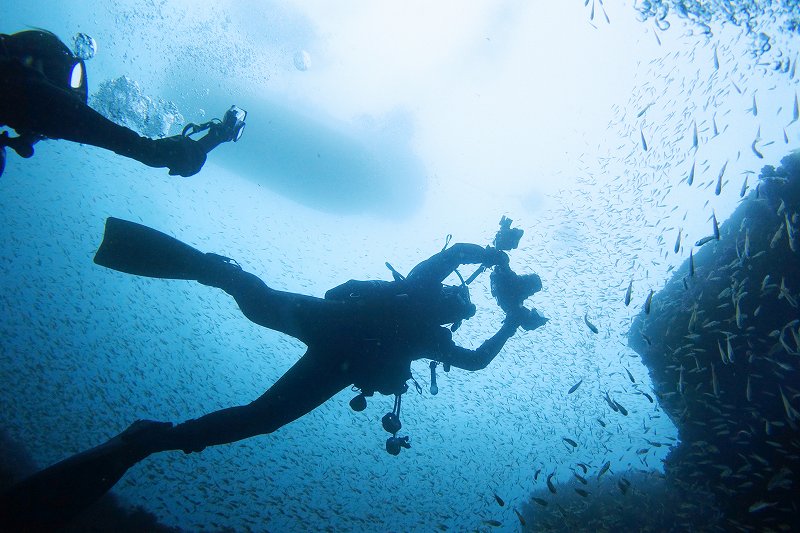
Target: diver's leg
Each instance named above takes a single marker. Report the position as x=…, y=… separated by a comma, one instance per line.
x=52, y=497
x=298, y=315
x=313, y=380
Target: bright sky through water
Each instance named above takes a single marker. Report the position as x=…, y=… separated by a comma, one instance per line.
x=408, y=121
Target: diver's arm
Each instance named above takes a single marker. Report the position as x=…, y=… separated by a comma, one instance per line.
x=437, y=267
x=35, y=106
x=479, y=358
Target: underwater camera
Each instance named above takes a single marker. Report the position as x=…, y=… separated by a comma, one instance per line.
x=233, y=123
x=507, y=238
x=230, y=128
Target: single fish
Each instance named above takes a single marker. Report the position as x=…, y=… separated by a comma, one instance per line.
x=755, y=150
x=498, y=499
x=628, y=294
x=678, y=240
x=791, y=412
x=716, y=59
x=582, y=493
x=591, y=326
x=536, y=475
x=714, y=124
x=722, y=353
x=694, y=136
x=519, y=516
x=611, y=404
x=649, y=398
x=648, y=302
x=623, y=485
x=583, y=467
x=716, y=226
x=746, y=250
x=644, y=142
x=574, y=387
x=621, y=409
x=744, y=188
x=604, y=469
x=580, y=478
x=550, y=486
x=795, y=111
x=570, y=442
x=643, y=111
x=630, y=376
x=714, y=382
x=691, y=263
x=748, y=390
x=718, y=188
x=681, y=385
x=754, y=109
x=540, y=501
x=704, y=240
x=738, y=90
x=493, y=523
x=603, y=424
x=730, y=349
x=760, y=506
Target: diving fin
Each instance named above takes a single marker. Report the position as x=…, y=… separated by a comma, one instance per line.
x=136, y=249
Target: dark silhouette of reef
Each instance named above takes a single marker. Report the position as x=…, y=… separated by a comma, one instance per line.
x=722, y=346
x=107, y=515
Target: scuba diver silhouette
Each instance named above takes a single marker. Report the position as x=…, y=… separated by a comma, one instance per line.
x=362, y=333
x=43, y=94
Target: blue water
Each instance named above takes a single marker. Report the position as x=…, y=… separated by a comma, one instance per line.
x=409, y=123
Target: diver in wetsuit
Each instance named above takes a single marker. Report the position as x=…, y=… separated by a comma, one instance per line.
x=362, y=333
x=43, y=94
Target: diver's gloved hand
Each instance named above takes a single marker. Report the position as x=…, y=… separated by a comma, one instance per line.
x=527, y=319
x=495, y=257
x=182, y=155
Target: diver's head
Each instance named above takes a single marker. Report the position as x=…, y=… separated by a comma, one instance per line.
x=43, y=51
x=453, y=305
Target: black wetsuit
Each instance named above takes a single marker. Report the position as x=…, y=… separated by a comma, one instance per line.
x=32, y=105
x=367, y=343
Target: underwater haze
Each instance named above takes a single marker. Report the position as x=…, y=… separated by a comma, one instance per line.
x=610, y=131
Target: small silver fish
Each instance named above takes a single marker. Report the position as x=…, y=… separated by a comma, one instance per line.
x=574, y=387
x=744, y=188
x=691, y=264
x=628, y=294
x=678, y=241
x=690, y=179
x=550, y=486
x=716, y=226
x=694, y=135
x=716, y=59
x=604, y=469
x=755, y=150
x=704, y=240
x=644, y=142
x=648, y=302
x=591, y=326
x=718, y=189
